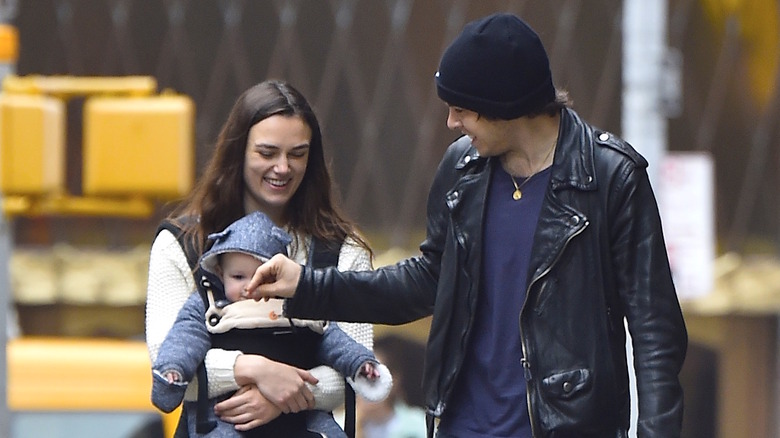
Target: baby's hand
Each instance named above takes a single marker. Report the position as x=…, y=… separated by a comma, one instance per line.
x=172, y=377
x=369, y=371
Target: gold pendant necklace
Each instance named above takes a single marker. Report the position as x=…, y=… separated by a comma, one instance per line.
x=518, y=194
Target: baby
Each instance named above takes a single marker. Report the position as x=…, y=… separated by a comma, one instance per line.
x=218, y=317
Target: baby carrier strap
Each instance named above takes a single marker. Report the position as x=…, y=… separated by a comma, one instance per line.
x=190, y=250
x=322, y=255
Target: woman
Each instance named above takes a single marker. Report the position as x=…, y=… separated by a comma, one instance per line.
x=269, y=157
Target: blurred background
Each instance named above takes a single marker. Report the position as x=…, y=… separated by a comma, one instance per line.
x=367, y=67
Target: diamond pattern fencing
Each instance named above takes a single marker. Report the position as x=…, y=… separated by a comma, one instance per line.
x=367, y=66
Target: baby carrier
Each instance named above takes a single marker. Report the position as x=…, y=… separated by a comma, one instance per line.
x=275, y=347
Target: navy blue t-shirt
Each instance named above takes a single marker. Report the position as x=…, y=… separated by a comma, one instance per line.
x=489, y=398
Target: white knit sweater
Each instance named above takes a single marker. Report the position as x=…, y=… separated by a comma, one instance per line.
x=170, y=283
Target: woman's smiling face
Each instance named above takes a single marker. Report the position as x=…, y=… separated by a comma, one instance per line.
x=277, y=152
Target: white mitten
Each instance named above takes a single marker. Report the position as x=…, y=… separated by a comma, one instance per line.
x=373, y=390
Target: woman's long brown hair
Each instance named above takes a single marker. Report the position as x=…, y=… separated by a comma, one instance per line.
x=218, y=197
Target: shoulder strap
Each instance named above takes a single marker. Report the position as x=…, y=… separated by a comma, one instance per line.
x=190, y=250
x=201, y=277
x=324, y=254
x=204, y=424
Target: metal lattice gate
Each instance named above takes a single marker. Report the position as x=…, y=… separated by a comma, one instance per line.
x=367, y=67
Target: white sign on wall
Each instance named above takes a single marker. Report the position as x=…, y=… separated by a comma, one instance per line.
x=686, y=203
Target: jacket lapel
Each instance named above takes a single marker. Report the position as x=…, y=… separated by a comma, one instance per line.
x=466, y=203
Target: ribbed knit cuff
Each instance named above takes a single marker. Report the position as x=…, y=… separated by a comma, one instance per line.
x=329, y=392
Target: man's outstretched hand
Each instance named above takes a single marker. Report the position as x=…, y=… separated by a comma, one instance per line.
x=276, y=278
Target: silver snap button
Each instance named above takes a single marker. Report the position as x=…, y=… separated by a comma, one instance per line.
x=604, y=136
x=567, y=386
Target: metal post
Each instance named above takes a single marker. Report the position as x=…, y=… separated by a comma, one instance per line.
x=5, y=308
x=644, y=58
x=643, y=122
x=776, y=399
x=8, y=55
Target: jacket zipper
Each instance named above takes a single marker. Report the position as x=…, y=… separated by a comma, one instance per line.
x=440, y=405
x=524, y=360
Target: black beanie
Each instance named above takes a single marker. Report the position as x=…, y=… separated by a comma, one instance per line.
x=496, y=67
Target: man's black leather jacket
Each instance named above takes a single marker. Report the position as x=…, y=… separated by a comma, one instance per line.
x=598, y=256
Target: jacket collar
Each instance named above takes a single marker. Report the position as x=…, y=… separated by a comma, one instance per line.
x=574, y=155
x=573, y=161
x=470, y=155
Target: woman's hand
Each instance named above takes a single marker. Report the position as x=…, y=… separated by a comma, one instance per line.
x=247, y=409
x=282, y=384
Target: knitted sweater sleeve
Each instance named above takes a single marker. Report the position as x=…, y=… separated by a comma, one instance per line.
x=356, y=258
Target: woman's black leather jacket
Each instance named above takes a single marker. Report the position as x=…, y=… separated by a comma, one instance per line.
x=598, y=257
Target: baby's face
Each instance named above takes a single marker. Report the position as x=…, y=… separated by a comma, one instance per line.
x=237, y=269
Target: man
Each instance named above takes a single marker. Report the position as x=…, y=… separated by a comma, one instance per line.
x=543, y=234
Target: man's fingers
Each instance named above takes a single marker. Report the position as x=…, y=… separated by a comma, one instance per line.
x=265, y=273
x=276, y=278
x=261, y=273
